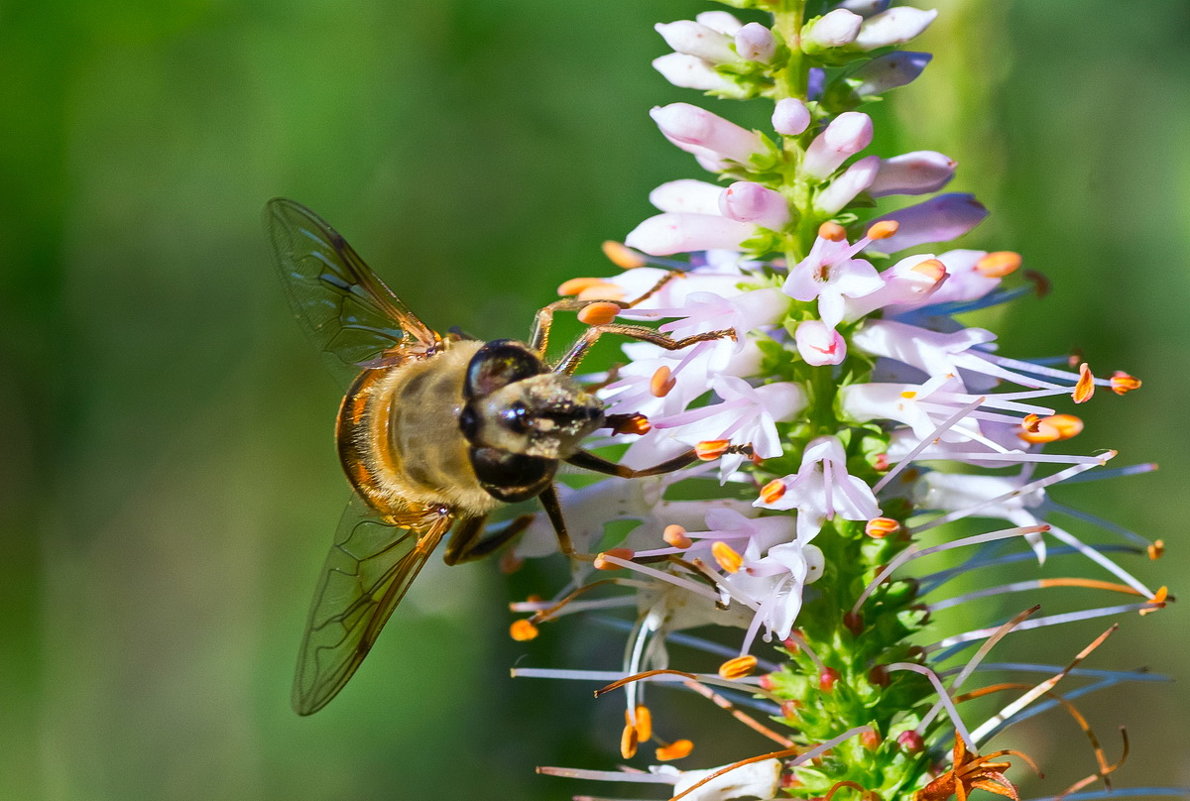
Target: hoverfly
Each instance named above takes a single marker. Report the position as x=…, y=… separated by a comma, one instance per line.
x=434, y=432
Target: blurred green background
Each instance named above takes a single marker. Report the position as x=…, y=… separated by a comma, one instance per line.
x=168, y=481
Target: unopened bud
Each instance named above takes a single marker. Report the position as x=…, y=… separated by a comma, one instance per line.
x=691, y=72
x=888, y=72
x=843, y=189
x=846, y=135
x=750, y=202
x=755, y=42
x=696, y=39
x=833, y=29
x=895, y=26
x=910, y=741
x=916, y=173
x=692, y=125
x=827, y=679
x=790, y=116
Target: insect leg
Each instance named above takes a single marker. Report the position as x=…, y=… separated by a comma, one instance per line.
x=553, y=509
x=589, y=461
x=570, y=362
x=539, y=338
x=465, y=542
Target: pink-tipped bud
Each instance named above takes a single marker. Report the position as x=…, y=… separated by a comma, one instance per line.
x=938, y=219
x=847, y=134
x=752, y=203
x=827, y=679
x=721, y=21
x=667, y=234
x=888, y=72
x=687, y=195
x=755, y=42
x=895, y=26
x=842, y=190
x=790, y=117
x=691, y=125
x=691, y=72
x=910, y=741
x=916, y=173
x=834, y=29
x=818, y=344
x=694, y=39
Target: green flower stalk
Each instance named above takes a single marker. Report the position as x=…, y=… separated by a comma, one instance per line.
x=849, y=425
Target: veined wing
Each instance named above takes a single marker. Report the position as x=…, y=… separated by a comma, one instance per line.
x=366, y=574
x=346, y=309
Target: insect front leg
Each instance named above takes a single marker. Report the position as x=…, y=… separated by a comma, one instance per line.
x=467, y=544
x=570, y=362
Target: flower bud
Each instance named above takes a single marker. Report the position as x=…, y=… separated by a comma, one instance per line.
x=691, y=125
x=917, y=173
x=938, y=219
x=721, y=21
x=750, y=202
x=691, y=72
x=670, y=233
x=818, y=344
x=847, y=134
x=888, y=72
x=894, y=26
x=911, y=741
x=755, y=42
x=865, y=8
x=834, y=29
x=694, y=39
x=790, y=116
x=687, y=195
x=842, y=190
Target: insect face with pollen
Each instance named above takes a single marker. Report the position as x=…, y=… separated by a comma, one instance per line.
x=434, y=433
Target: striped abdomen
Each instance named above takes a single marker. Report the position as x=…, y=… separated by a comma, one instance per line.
x=399, y=437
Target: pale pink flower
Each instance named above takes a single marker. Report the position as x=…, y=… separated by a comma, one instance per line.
x=818, y=344
x=846, y=135
x=829, y=274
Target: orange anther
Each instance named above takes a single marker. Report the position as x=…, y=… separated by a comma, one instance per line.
x=522, y=630
x=1156, y=549
x=602, y=291
x=930, y=268
x=576, y=285
x=675, y=750
x=998, y=264
x=601, y=563
x=1051, y=429
x=628, y=742
x=727, y=557
x=622, y=256
x=662, y=382
x=1122, y=383
x=832, y=232
x=711, y=449
x=738, y=668
x=1031, y=422
x=880, y=527
x=1158, y=601
x=883, y=229
x=772, y=491
x=1085, y=387
x=642, y=720
x=598, y=313
x=675, y=536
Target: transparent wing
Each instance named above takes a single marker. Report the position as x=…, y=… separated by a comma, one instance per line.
x=346, y=309
x=366, y=574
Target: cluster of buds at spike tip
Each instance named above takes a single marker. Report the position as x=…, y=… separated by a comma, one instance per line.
x=838, y=418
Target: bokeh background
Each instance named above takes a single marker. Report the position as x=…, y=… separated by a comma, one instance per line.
x=168, y=485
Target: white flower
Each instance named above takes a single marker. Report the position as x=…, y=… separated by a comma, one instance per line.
x=822, y=489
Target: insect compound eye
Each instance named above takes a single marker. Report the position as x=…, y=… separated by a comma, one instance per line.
x=497, y=364
x=511, y=477
x=516, y=418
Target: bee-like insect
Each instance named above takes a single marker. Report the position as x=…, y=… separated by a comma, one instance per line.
x=433, y=432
